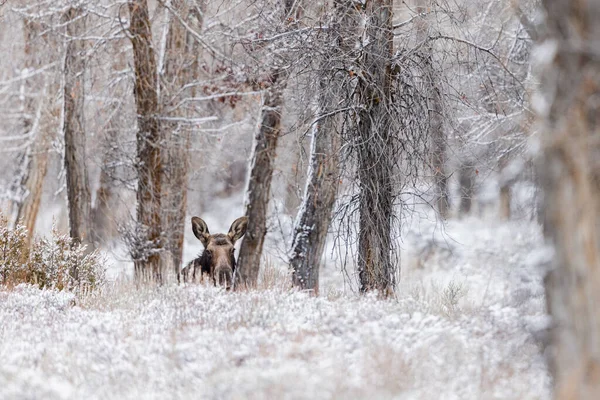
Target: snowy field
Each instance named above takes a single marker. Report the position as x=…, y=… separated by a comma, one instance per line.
x=468, y=323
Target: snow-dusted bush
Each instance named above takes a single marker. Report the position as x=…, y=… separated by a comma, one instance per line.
x=55, y=262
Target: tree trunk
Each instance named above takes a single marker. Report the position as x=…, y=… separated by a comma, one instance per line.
x=78, y=191
x=293, y=198
x=314, y=216
x=34, y=161
x=104, y=215
x=180, y=69
x=261, y=173
x=505, y=197
x=466, y=181
x=436, y=121
x=146, y=254
x=32, y=182
x=507, y=179
x=570, y=174
x=259, y=186
x=375, y=161
x=103, y=227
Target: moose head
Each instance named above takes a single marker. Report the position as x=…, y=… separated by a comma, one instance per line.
x=217, y=261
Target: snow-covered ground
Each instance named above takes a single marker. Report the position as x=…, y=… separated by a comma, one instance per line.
x=467, y=323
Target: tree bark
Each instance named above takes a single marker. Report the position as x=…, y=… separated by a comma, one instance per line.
x=146, y=254
x=180, y=69
x=103, y=227
x=78, y=191
x=261, y=173
x=505, y=198
x=34, y=161
x=104, y=216
x=466, y=180
x=569, y=170
x=375, y=161
x=437, y=137
x=314, y=217
x=259, y=185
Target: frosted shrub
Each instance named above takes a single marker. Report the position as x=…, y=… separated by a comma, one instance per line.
x=12, y=250
x=54, y=262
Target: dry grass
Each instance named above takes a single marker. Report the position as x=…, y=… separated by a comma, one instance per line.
x=274, y=277
x=436, y=339
x=54, y=262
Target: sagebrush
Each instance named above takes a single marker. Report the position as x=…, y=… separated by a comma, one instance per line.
x=55, y=262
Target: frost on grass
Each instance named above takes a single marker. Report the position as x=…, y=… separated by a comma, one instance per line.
x=55, y=262
x=444, y=337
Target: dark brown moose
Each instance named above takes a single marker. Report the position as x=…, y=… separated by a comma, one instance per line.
x=217, y=261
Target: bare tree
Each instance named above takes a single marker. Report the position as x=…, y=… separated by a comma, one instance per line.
x=104, y=215
x=180, y=69
x=570, y=175
x=259, y=187
x=483, y=71
x=147, y=246
x=435, y=106
x=34, y=161
x=314, y=216
x=78, y=191
x=375, y=159
x=261, y=173
x=506, y=184
x=466, y=180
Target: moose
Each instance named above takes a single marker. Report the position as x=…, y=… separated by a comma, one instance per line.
x=217, y=261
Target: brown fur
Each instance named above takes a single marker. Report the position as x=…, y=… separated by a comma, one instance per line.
x=217, y=261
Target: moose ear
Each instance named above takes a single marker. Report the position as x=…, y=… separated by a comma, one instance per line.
x=200, y=230
x=238, y=228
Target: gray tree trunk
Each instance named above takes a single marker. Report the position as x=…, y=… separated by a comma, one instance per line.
x=180, y=69
x=293, y=199
x=78, y=191
x=34, y=161
x=259, y=185
x=466, y=181
x=375, y=161
x=506, y=183
x=147, y=251
x=104, y=216
x=103, y=227
x=314, y=217
x=261, y=173
x=569, y=171
x=505, y=199
x=437, y=137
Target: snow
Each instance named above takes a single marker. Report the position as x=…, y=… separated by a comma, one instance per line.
x=467, y=323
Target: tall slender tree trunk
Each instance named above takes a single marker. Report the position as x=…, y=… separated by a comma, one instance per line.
x=314, y=216
x=259, y=185
x=147, y=254
x=78, y=191
x=466, y=181
x=104, y=217
x=570, y=175
x=436, y=121
x=34, y=161
x=261, y=173
x=375, y=161
x=506, y=182
x=293, y=198
x=180, y=69
x=103, y=227
x=505, y=198
x=36, y=166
